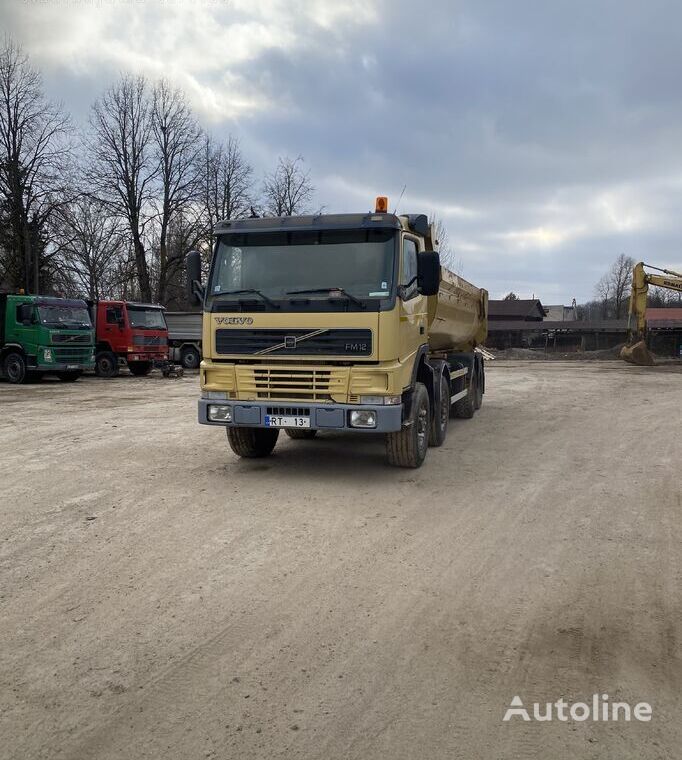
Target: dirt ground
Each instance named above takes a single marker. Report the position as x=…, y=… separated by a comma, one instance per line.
x=162, y=599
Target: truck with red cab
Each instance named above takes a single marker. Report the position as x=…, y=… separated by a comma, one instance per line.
x=128, y=333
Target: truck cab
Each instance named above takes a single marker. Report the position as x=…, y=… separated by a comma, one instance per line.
x=41, y=335
x=128, y=333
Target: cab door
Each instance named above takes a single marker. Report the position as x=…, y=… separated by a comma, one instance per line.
x=413, y=306
x=114, y=332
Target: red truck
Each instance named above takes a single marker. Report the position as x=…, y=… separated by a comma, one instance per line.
x=129, y=333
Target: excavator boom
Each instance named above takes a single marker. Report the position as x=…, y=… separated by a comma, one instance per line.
x=636, y=351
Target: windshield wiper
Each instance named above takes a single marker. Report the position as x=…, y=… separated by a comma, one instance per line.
x=247, y=291
x=329, y=291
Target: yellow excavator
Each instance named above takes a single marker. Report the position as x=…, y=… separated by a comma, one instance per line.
x=636, y=351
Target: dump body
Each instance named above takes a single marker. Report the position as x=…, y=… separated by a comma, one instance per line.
x=184, y=337
x=458, y=314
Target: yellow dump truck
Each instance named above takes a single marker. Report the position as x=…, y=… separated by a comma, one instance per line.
x=341, y=322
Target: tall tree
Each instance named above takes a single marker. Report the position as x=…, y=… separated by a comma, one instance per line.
x=124, y=165
x=288, y=190
x=226, y=183
x=620, y=278
x=34, y=157
x=91, y=246
x=178, y=146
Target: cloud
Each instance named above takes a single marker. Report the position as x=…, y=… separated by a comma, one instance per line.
x=546, y=135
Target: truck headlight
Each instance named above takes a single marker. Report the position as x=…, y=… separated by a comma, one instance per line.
x=363, y=418
x=219, y=413
x=47, y=354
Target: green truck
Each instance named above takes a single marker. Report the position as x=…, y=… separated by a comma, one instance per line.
x=40, y=335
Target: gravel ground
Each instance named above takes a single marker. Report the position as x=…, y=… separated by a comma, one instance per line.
x=162, y=599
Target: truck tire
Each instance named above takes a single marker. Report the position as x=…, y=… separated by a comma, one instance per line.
x=478, y=397
x=190, y=357
x=14, y=368
x=106, y=364
x=407, y=447
x=297, y=434
x=464, y=408
x=69, y=377
x=140, y=369
x=441, y=416
x=252, y=442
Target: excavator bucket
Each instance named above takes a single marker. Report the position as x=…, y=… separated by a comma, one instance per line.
x=638, y=354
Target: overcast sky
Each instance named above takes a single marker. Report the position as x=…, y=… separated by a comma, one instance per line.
x=547, y=134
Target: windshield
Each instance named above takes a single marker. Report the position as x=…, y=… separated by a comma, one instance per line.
x=360, y=262
x=146, y=318
x=64, y=316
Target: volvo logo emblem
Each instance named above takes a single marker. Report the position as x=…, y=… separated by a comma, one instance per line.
x=290, y=341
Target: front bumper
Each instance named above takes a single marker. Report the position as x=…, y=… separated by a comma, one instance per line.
x=322, y=416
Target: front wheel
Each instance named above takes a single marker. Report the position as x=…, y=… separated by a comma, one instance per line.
x=297, y=434
x=407, y=447
x=250, y=442
x=140, y=369
x=69, y=377
x=106, y=364
x=14, y=368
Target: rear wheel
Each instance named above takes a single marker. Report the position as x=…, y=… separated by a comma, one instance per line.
x=252, y=442
x=140, y=369
x=441, y=415
x=407, y=447
x=14, y=368
x=297, y=434
x=465, y=407
x=190, y=358
x=106, y=364
x=478, y=398
x=69, y=377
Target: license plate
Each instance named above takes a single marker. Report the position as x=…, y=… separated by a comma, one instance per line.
x=286, y=422
x=72, y=366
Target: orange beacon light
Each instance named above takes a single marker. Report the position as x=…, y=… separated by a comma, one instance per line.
x=381, y=205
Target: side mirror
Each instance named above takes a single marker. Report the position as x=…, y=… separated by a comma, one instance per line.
x=195, y=290
x=428, y=272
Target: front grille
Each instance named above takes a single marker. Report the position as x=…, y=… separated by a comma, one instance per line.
x=299, y=342
x=149, y=340
x=289, y=411
x=82, y=338
x=72, y=354
x=292, y=383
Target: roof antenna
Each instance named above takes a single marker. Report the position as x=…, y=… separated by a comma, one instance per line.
x=402, y=192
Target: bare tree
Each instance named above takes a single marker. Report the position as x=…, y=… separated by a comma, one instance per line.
x=34, y=156
x=288, y=190
x=602, y=291
x=620, y=277
x=613, y=289
x=91, y=245
x=178, y=146
x=511, y=296
x=226, y=183
x=448, y=258
x=123, y=163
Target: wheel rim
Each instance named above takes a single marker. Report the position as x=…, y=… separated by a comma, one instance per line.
x=422, y=427
x=13, y=369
